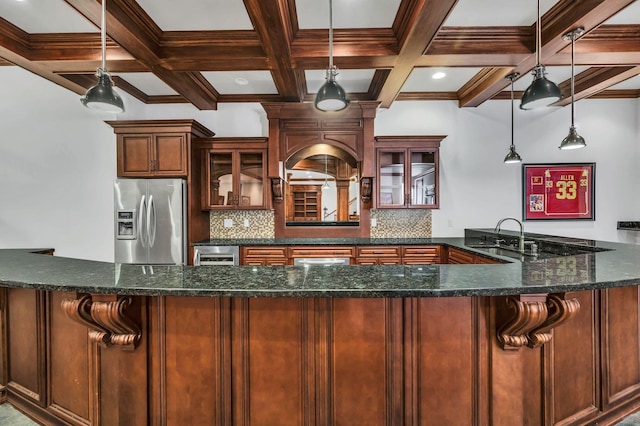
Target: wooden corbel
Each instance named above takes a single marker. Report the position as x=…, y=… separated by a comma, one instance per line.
x=276, y=189
x=532, y=317
x=106, y=317
x=366, y=187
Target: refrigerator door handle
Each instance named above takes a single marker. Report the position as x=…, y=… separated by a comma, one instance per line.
x=141, y=214
x=151, y=225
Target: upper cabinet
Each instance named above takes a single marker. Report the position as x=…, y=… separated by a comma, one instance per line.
x=155, y=148
x=235, y=173
x=407, y=171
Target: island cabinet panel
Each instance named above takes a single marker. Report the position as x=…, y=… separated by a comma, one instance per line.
x=361, y=361
x=190, y=345
x=574, y=357
x=272, y=368
x=620, y=319
x=441, y=362
x=26, y=345
x=72, y=365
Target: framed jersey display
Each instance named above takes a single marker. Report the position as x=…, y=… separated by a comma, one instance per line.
x=558, y=191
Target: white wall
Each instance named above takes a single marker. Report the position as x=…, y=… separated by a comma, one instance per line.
x=57, y=161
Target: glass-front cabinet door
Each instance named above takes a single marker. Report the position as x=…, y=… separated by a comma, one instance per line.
x=407, y=172
x=391, y=178
x=235, y=179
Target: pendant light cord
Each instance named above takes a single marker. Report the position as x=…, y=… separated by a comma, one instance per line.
x=103, y=34
x=331, y=36
x=573, y=41
x=538, y=36
x=512, y=116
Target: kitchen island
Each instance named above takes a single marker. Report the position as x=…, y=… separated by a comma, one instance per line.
x=544, y=339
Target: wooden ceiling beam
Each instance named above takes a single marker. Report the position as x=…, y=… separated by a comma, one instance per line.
x=595, y=80
x=563, y=17
x=130, y=27
x=417, y=26
x=272, y=22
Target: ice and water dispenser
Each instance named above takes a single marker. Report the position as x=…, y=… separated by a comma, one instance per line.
x=126, y=225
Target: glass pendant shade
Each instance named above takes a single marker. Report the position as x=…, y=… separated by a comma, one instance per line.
x=331, y=96
x=102, y=96
x=541, y=92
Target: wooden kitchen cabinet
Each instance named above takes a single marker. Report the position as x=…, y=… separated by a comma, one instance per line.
x=264, y=256
x=320, y=252
x=407, y=171
x=305, y=202
x=421, y=255
x=155, y=148
x=235, y=173
x=378, y=255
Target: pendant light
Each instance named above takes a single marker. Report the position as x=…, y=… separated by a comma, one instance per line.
x=326, y=182
x=331, y=97
x=541, y=92
x=573, y=139
x=102, y=96
x=512, y=155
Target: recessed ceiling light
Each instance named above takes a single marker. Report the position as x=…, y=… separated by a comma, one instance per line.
x=438, y=75
x=241, y=81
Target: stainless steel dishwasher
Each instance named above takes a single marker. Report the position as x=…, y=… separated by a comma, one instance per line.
x=322, y=261
x=216, y=255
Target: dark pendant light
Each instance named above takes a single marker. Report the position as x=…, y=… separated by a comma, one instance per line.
x=102, y=96
x=573, y=139
x=512, y=156
x=541, y=92
x=331, y=97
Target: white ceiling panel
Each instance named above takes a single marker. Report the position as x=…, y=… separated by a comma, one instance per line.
x=629, y=15
x=147, y=82
x=482, y=13
x=241, y=82
x=354, y=81
x=45, y=16
x=632, y=83
x=421, y=79
x=197, y=15
x=347, y=13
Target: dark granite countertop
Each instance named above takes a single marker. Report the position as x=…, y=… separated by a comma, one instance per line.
x=617, y=267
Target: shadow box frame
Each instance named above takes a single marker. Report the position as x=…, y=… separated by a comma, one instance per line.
x=542, y=174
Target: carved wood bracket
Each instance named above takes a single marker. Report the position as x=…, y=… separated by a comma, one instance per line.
x=106, y=319
x=366, y=186
x=531, y=318
x=276, y=189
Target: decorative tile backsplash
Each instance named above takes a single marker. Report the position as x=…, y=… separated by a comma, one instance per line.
x=401, y=223
x=261, y=224
x=391, y=223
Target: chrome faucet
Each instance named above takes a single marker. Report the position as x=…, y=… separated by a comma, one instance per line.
x=521, y=242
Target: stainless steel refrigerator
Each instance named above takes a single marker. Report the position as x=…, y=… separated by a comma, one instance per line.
x=150, y=221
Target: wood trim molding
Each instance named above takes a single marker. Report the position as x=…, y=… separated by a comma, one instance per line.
x=106, y=318
x=532, y=318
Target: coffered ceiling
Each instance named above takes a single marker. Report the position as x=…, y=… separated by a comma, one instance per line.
x=207, y=52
